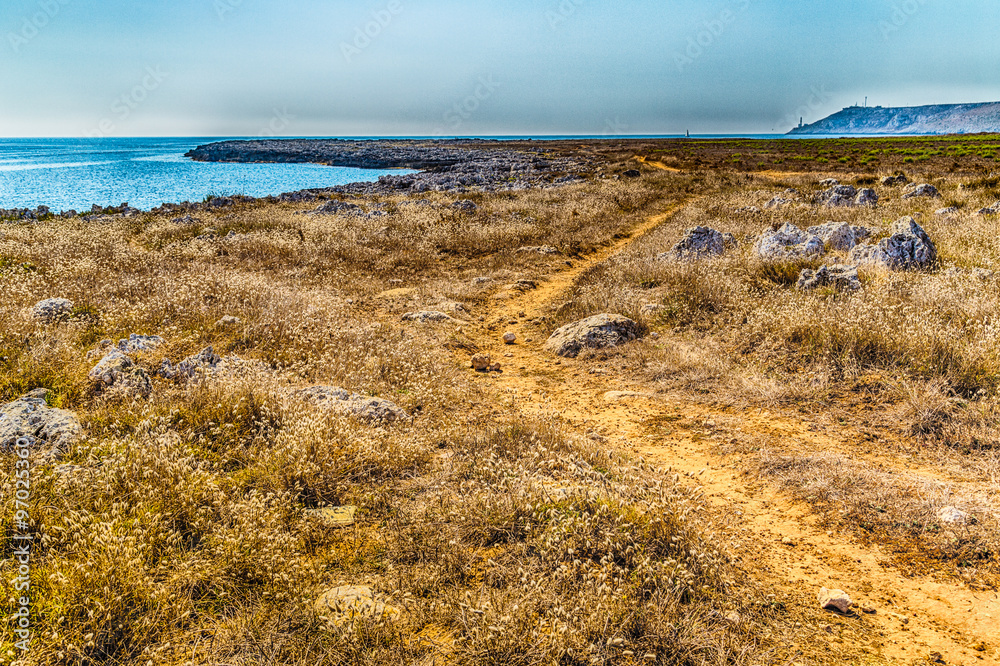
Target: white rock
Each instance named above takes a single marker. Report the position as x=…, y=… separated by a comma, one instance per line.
x=952, y=515
x=834, y=600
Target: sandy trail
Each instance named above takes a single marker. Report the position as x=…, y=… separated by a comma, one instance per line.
x=914, y=617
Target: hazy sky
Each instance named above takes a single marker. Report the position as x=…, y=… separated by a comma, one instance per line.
x=471, y=67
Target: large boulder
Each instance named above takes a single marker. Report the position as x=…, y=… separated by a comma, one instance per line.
x=52, y=310
x=698, y=243
x=597, y=332
x=788, y=242
x=839, y=235
x=362, y=407
x=30, y=416
x=118, y=373
x=908, y=247
x=866, y=197
x=842, y=278
x=838, y=195
x=923, y=190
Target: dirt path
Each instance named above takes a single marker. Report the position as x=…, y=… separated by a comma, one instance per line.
x=913, y=617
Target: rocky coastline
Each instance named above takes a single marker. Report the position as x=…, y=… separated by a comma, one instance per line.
x=443, y=166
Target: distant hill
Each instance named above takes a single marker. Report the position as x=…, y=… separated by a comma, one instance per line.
x=935, y=119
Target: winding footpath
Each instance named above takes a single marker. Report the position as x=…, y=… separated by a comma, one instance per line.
x=780, y=539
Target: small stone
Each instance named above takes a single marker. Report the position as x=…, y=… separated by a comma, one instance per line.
x=509, y=338
x=542, y=249
x=870, y=610
x=788, y=243
x=950, y=210
x=834, y=600
x=347, y=603
x=52, y=310
x=228, y=321
x=139, y=343
x=837, y=276
x=788, y=541
x=952, y=515
x=495, y=367
x=335, y=516
x=481, y=362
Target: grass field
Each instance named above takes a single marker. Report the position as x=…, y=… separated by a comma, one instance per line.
x=782, y=440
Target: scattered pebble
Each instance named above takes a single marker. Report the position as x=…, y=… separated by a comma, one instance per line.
x=834, y=600
x=509, y=338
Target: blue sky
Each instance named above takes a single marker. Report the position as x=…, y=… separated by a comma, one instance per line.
x=404, y=67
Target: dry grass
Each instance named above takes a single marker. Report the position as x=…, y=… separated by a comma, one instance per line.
x=177, y=531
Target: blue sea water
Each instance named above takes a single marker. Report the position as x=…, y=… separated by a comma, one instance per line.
x=74, y=174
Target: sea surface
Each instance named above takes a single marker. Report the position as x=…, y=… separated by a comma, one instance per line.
x=75, y=174
x=66, y=174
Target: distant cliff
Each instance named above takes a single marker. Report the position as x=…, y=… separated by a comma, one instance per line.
x=936, y=119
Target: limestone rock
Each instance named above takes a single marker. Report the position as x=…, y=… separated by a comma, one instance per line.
x=834, y=600
x=829, y=182
x=139, y=343
x=430, y=316
x=952, y=515
x=347, y=603
x=893, y=181
x=697, y=243
x=228, y=321
x=362, y=407
x=335, y=206
x=52, y=310
x=838, y=195
x=119, y=373
x=907, y=248
x=840, y=277
x=950, y=210
x=923, y=190
x=597, y=332
x=30, y=416
x=466, y=206
x=777, y=202
x=788, y=242
x=482, y=362
x=839, y=235
x=866, y=197
x=993, y=209
x=204, y=362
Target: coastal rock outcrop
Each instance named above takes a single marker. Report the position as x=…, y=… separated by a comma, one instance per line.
x=839, y=235
x=840, y=277
x=50, y=429
x=698, y=243
x=908, y=247
x=597, y=332
x=788, y=242
x=364, y=408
